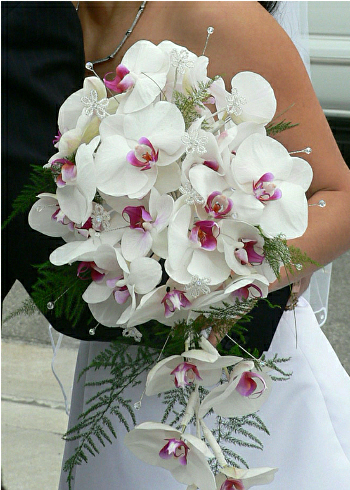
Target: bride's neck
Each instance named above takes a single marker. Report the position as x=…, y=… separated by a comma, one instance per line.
x=102, y=14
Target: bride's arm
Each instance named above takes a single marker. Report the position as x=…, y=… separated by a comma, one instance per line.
x=248, y=38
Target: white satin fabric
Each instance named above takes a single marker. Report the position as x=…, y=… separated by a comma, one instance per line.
x=308, y=418
x=293, y=17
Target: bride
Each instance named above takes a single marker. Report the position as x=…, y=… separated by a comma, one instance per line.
x=308, y=416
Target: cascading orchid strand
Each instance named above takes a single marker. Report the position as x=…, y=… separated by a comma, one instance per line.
x=164, y=205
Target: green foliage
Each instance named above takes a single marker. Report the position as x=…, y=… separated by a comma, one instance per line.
x=188, y=103
x=95, y=425
x=40, y=181
x=273, y=129
x=61, y=286
x=273, y=364
x=237, y=431
x=28, y=307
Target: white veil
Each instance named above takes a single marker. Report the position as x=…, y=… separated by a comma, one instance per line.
x=293, y=17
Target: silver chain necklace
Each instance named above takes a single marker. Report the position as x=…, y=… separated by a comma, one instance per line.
x=90, y=64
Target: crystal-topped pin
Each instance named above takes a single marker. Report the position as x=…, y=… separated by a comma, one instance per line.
x=306, y=150
x=210, y=31
x=92, y=331
x=137, y=405
x=298, y=267
x=89, y=66
x=321, y=204
x=50, y=305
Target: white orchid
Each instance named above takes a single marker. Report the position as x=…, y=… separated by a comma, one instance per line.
x=244, y=393
x=203, y=365
x=251, y=99
x=135, y=146
x=230, y=478
x=271, y=186
x=142, y=75
x=147, y=230
x=184, y=455
x=113, y=301
x=192, y=248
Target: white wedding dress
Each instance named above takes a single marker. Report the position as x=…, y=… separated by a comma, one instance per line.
x=308, y=416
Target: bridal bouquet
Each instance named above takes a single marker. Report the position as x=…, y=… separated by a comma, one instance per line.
x=176, y=204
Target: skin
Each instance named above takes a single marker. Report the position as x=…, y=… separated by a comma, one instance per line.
x=246, y=37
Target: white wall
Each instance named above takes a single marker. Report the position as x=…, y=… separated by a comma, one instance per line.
x=329, y=26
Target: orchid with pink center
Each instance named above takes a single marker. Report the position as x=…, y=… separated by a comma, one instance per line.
x=135, y=147
x=76, y=194
x=247, y=386
x=203, y=366
x=96, y=274
x=144, y=155
x=218, y=205
x=231, y=478
x=247, y=254
x=68, y=171
x=121, y=292
x=241, y=243
x=265, y=190
x=183, y=454
x=233, y=288
x=147, y=230
x=232, y=484
x=175, y=448
x=156, y=305
x=270, y=186
x=122, y=81
x=190, y=254
x=248, y=291
x=114, y=301
x=185, y=374
x=244, y=393
x=204, y=234
x=143, y=72
x=173, y=300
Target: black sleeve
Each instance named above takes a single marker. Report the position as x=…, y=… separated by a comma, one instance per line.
x=42, y=64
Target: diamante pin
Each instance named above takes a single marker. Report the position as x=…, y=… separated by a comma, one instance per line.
x=306, y=150
x=137, y=405
x=50, y=305
x=321, y=204
x=92, y=331
x=210, y=31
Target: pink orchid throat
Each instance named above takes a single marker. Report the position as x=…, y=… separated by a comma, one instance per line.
x=265, y=190
x=122, y=81
x=246, y=292
x=173, y=300
x=205, y=233
x=218, y=205
x=185, y=374
x=247, y=254
x=137, y=216
x=231, y=484
x=144, y=156
x=96, y=274
x=175, y=448
x=247, y=386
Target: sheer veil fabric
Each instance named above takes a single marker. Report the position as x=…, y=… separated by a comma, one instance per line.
x=293, y=17
x=308, y=416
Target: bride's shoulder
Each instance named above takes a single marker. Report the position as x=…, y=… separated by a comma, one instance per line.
x=246, y=37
